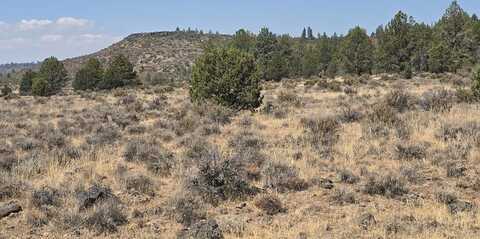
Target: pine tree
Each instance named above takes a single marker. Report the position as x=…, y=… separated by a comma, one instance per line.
x=393, y=52
x=451, y=30
x=26, y=82
x=356, y=53
x=304, y=34
x=267, y=54
x=310, y=34
x=51, y=78
x=119, y=73
x=89, y=76
x=244, y=40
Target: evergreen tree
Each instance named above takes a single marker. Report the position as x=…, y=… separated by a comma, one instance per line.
x=451, y=30
x=393, y=52
x=439, y=57
x=244, y=40
x=119, y=73
x=227, y=76
x=268, y=56
x=89, y=76
x=356, y=53
x=304, y=34
x=52, y=77
x=310, y=34
x=26, y=82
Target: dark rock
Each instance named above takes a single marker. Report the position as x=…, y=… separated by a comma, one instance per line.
x=204, y=229
x=9, y=208
x=323, y=183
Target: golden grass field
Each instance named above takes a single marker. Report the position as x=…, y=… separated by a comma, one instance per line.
x=369, y=157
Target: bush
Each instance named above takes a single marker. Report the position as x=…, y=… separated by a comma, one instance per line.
x=389, y=186
x=322, y=134
x=476, y=82
x=45, y=197
x=6, y=90
x=89, y=76
x=235, y=85
x=282, y=178
x=217, y=180
x=346, y=176
x=157, y=159
x=399, y=100
x=270, y=204
x=105, y=218
x=187, y=209
x=437, y=101
x=343, y=196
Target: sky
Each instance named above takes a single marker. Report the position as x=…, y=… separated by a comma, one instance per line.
x=31, y=30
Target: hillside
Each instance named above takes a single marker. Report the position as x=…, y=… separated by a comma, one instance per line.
x=165, y=52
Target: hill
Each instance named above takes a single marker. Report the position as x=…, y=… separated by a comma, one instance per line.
x=156, y=52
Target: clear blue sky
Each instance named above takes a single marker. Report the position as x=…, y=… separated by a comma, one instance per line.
x=34, y=29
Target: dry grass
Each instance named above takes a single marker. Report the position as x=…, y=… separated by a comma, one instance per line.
x=319, y=162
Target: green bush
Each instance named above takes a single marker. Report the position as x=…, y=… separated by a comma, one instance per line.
x=89, y=76
x=119, y=73
x=227, y=76
x=40, y=87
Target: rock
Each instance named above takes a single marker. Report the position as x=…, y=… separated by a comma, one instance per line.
x=204, y=229
x=460, y=206
x=366, y=220
x=9, y=208
x=323, y=183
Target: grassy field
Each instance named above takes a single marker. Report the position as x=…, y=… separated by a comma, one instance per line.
x=354, y=157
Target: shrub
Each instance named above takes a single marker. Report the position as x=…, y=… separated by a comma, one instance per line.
x=270, y=204
x=410, y=151
x=187, y=209
x=105, y=218
x=89, y=76
x=465, y=95
x=389, y=186
x=343, y=196
x=204, y=229
x=139, y=184
x=322, y=134
x=348, y=115
x=119, y=73
x=217, y=180
x=6, y=90
x=45, y=197
x=227, y=76
x=399, y=100
x=347, y=176
x=282, y=178
x=476, y=82
x=437, y=100
x=157, y=159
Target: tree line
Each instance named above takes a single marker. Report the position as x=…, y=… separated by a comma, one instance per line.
x=401, y=46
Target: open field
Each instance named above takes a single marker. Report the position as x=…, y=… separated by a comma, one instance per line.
x=358, y=157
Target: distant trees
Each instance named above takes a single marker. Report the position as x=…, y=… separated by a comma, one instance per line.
x=356, y=52
x=227, y=76
x=119, y=73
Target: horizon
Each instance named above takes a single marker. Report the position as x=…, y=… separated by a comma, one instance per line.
x=66, y=30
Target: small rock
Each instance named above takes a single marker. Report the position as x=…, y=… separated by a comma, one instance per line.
x=323, y=183
x=9, y=208
x=366, y=220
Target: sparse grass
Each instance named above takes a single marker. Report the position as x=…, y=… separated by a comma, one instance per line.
x=327, y=161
